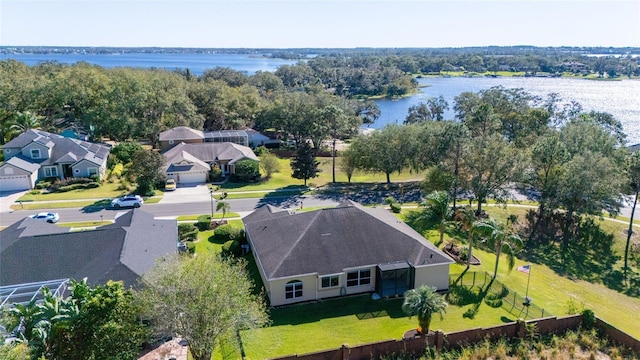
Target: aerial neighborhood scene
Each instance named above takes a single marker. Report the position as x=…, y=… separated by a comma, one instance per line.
x=288, y=179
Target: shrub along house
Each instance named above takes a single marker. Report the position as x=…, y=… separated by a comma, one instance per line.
x=37, y=154
x=340, y=251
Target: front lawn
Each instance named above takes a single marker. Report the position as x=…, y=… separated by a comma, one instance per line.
x=105, y=190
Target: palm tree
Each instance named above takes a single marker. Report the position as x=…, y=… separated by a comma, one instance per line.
x=467, y=218
x=423, y=302
x=25, y=121
x=437, y=211
x=501, y=239
x=225, y=207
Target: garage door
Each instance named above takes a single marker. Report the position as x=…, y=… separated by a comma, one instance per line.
x=195, y=177
x=14, y=183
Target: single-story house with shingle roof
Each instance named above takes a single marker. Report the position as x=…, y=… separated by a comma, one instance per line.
x=189, y=163
x=340, y=251
x=33, y=251
x=37, y=154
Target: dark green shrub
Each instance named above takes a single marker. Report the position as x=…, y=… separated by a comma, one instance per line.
x=191, y=247
x=225, y=233
x=261, y=150
x=396, y=208
x=204, y=221
x=247, y=170
x=231, y=248
x=588, y=318
x=43, y=184
x=187, y=232
x=215, y=174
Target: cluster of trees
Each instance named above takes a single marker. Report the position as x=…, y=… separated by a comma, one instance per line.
x=128, y=103
x=572, y=162
x=203, y=299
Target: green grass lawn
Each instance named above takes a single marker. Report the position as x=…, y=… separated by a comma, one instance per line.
x=106, y=190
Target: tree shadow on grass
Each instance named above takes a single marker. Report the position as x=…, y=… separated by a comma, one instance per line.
x=360, y=306
x=97, y=206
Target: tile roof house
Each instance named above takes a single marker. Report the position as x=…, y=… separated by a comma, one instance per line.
x=37, y=154
x=33, y=251
x=191, y=162
x=340, y=251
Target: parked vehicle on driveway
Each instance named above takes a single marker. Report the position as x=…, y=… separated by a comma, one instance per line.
x=48, y=217
x=127, y=201
x=170, y=185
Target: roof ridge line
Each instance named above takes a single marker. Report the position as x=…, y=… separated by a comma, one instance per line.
x=295, y=244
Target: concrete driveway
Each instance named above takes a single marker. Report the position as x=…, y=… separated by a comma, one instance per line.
x=187, y=194
x=8, y=198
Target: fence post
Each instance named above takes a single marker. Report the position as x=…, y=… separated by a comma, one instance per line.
x=345, y=351
x=439, y=341
x=521, y=331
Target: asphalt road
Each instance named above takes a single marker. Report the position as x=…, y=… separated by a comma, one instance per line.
x=171, y=210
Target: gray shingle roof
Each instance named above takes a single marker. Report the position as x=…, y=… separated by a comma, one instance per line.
x=32, y=251
x=210, y=152
x=64, y=150
x=181, y=133
x=22, y=163
x=328, y=241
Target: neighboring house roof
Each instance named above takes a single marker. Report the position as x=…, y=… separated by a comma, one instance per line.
x=21, y=163
x=64, y=150
x=210, y=152
x=32, y=251
x=328, y=241
x=183, y=161
x=181, y=133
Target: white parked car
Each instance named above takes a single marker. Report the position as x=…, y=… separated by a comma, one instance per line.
x=127, y=201
x=48, y=217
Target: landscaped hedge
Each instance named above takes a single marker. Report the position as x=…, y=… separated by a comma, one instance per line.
x=227, y=233
x=187, y=232
x=69, y=184
x=203, y=223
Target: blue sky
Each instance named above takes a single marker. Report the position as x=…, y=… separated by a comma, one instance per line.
x=321, y=24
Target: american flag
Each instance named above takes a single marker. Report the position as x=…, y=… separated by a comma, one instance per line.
x=524, y=268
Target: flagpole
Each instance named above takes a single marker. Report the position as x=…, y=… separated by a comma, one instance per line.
x=526, y=295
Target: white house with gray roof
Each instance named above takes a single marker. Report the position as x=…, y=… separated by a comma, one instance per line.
x=340, y=251
x=37, y=154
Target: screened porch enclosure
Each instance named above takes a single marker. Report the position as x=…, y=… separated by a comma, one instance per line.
x=394, y=278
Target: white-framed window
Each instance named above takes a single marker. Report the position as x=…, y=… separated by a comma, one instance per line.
x=170, y=142
x=359, y=277
x=50, y=171
x=77, y=171
x=35, y=153
x=92, y=171
x=293, y=289
x=7, y=151
x=330, y=281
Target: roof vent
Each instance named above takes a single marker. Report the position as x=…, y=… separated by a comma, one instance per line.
x=325, y=234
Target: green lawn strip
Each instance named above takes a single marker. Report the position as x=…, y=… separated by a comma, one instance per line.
x=106, y=190
x=215, y=216
x=52, y=205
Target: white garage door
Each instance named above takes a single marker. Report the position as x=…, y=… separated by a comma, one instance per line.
x=13, y=183
x=194, y=177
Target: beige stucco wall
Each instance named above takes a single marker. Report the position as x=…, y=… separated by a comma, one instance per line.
x=277, y=287
x=45, y=152
x=164, y=144
x=433, y=275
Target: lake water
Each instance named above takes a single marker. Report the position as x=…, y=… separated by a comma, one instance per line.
x=619, y=98
x=196, y=63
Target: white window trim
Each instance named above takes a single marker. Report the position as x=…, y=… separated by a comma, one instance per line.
x=51, y=170
x=330, y=277
x=294, y=289
x=89, y=171
x=360, y=278
x=32, y=152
